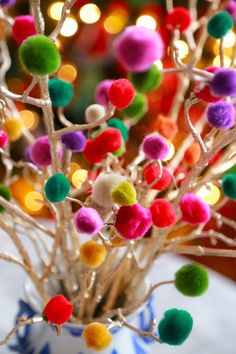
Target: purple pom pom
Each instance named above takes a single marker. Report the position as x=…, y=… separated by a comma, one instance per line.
x=88, y=221
x=155, y=147
x=221, y=115
x=74, y=141
x=40, y=153
x=231, y=9
x=224, y=83
x=7, y=3
x=101, y=93
x=137, y=48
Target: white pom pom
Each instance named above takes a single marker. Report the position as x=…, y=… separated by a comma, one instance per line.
x=94, y=112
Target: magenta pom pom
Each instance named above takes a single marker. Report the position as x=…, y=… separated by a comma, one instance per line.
x=224, y=83
x=74, y=141
x=101, y=93
x=23, y=27
x=88, y=221
x=221, y=115
x=155, y=147
x=7, y=3
x=231, y=9
x=133, y=222
x=3, y=139
x=137, y=48
x=194, y=210
x=40, y=152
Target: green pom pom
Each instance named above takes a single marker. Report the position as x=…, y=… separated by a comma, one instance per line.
x=148, y=80
x=124, y=194
x=192, y=280
x=175, y=327
x=219, y=25
x=4, y=193
x=137, y=109
x=39, y=55
x=61, y=92
x=57, y=188
x=229, y=185
x=120, y=152
x=118, y=124
x=232, y=169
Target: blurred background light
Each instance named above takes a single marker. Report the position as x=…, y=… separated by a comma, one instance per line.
x=69, y=27
x=90, y=13
x=147, y=21
x=55, y=10
x=67, y=72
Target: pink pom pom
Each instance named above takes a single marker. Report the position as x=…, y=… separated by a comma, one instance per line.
x=155, y=147
x=88, y=221
x=40, y=153
x=194, y=210
x=163, y=213
x=3, y=139
x=23, y=27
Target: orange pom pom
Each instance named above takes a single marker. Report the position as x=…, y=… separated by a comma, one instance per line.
x=92, y=254
x=192, y=154
x=166, y=127
x=96, y=336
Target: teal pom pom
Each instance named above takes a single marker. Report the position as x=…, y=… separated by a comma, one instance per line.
x=175, y=327
x=39, y=55
x=229, y=185
x=219, y=25
x=61, y=92
x=148, y=80
x=119, y=124
x=57, y=188
x=4, y=193
x=192, y=280
x=137, y=109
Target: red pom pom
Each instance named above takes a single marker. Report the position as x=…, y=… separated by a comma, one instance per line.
x=3, y=139
x=110, y=140
x=179, y=18
x=202, y=90
x=93, y=152
x=121, y=93
x=58, y=310
x=194, y=210
x=152, y=172
x=23, y=27
x=163, y=213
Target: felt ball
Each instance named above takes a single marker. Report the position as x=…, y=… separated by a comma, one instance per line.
x=101, y=93
x=119, y=124
x=96, y=336
x=202, y=89
x=179, y=18
x=224, y=83
x=39, y=55
x=192, y=280
x=13, y=128
x=231, y=8
x=219, y=25
x=137, y=48
x=148, y=80
x=229, y=185
x=151, y=173
x=7, y=3
x=103, y=186
x=175, y=327
x=58, y=310
x=23, y=27
x=121, y=93
x=74, y=141
x=221, y=115
x=92, y=254
x=124, y=194
x=133, y=222
x=93, y=151
x=94, y=113
x=137, y=109
x=3, y=139
x=194, y=210
x=40, y=152
x=192, y=154
x=166, y=127
x=155, y=147
x=163, y=213
x=4, y=193
x=57, y=188
x=88, y=221
x=61, y=92
x=109, y=140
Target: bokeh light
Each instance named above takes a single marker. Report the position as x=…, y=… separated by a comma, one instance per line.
x=29, y=119
x=90, y=13
x=79, y=177
x=147, y=21
x=170, y=153
x=32, y=201
x=73, y=166
x=67, y=72
x=116, y=21
x=209, y=193
x=69, y=27
x=217, y=61
x=55, y=10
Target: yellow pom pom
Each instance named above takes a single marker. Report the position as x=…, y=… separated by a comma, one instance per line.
x=124, y=194
x=78, y=178
x=92, y=254
x=13, y=128
x=96, y=336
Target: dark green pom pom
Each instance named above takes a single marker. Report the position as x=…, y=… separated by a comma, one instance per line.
x=175, y=327
x=4, y=193
x=118, y=124
x=57, y=188
x=61, y=92
x=192, y=280
x=137, y=109
x=219, y=25
x=229, y=185
x=39, y=55
x=148, y=80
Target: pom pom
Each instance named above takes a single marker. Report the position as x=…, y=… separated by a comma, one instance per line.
x=39, y=56
x=58, y=310
x=7, y=3
x=155, y=147
x=61, y=92
x=94, y=113
x=110, y=139
x=202, y=90
x=221, y=115
x=151, y=173
x=23, y=27
x=103, y=186
x=224, y=83
x=93, y=151
x=167, y=127
x=179, y=18
x=88, y=221
x=92, y=254
x=96, y=336
x=137, y=109
x=133, y=222
x=40, y=153
x=3, y=139
x=13, y=128
x=146, y=81
x=219, y=25
x=124, y=194
x=229, y=185
x=194, y=210
x=192, y=154
x=74, y=141
x=121, y=93
x=163, y=213
x=118, y=124
x=4, y=193
x=57, y=188
x=192, y=280
x=231, y=8
x=137, y=48
x=101, y=93
x=175, y=327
